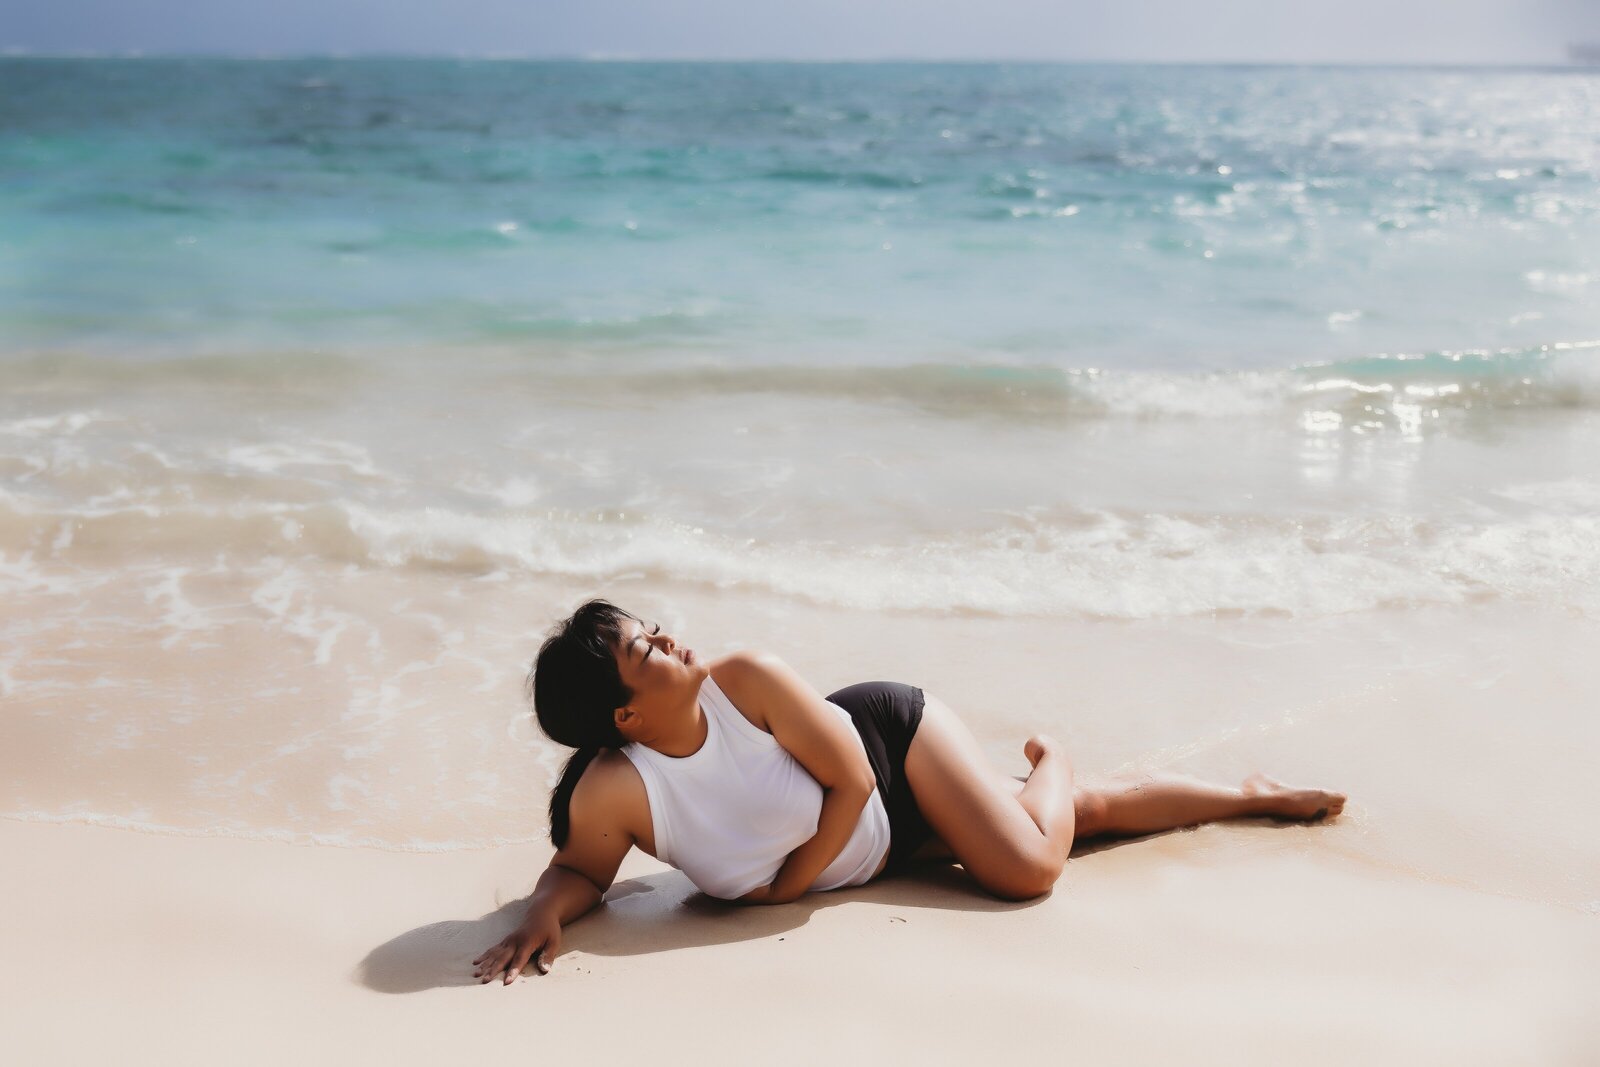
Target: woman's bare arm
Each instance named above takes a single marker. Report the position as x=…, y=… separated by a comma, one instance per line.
x=826, y=746
x=578, y=876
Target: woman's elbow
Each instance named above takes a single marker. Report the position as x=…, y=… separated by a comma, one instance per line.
x=859, y=789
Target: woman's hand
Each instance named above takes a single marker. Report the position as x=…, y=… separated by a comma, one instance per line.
x=538, y=939
x=761, y=894
x=767, y=894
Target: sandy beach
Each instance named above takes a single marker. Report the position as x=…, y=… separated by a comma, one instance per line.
x=1216, y=947
x=1448, y=916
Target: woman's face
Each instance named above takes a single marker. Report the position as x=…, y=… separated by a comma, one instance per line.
x=665, y=678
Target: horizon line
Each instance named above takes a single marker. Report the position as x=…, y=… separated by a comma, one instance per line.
x=24, y=52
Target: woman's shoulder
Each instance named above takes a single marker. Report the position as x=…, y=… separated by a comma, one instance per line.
x=747, y=677
x=610, y=775
x=743, y=669
x=610, y=792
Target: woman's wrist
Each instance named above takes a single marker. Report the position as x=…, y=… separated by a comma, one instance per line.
x=781, y=895
x=761, y=894
x=784, y=888
x=562, y=895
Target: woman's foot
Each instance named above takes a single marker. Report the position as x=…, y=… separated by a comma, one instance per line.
x=1286, y=802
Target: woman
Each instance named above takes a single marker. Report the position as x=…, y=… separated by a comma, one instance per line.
x=738, y=773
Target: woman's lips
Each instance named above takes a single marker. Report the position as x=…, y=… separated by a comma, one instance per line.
x=688, y=655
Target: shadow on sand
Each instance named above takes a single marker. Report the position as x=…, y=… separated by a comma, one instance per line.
x=660, y=913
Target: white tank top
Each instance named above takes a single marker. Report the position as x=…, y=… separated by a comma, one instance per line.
x=728, y=815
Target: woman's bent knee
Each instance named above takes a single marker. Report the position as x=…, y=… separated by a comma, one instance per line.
x=1027, y=881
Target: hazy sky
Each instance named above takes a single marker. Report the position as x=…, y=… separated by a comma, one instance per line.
x=1362, y=31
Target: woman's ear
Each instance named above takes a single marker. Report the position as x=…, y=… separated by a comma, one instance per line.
x=625, y=718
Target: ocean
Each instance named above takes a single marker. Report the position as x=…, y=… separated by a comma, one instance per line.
x=326, y=385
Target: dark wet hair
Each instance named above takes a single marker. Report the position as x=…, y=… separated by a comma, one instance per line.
x=575, y=687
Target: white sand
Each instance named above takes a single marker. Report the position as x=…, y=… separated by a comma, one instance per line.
x=1449, y=916
x=1225, y=945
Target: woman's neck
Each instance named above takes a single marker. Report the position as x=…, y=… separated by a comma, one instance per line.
x=685, y=739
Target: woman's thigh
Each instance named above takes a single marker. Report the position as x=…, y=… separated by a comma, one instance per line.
x=973, y=808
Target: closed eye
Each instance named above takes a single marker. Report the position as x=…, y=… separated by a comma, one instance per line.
x=650, y=648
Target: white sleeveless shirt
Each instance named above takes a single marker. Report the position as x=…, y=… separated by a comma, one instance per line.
x=728, y=815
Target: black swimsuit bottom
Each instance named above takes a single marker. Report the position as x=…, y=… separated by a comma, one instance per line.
x=887, y=715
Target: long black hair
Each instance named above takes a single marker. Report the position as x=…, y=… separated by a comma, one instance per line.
x=575, y=687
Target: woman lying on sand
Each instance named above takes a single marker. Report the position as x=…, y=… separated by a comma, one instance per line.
x=737, y=773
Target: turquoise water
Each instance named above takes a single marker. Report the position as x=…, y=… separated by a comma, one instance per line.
x=327, y=386
x=745, y=214
x=1114, y=342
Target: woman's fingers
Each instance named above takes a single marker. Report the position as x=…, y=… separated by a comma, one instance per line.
x=490, y=963
x=492, y=950
x=510, y=956
x=520, y=960
x=548, y=951
x=511, y=973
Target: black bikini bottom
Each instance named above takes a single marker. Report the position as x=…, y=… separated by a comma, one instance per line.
x=887, y=715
